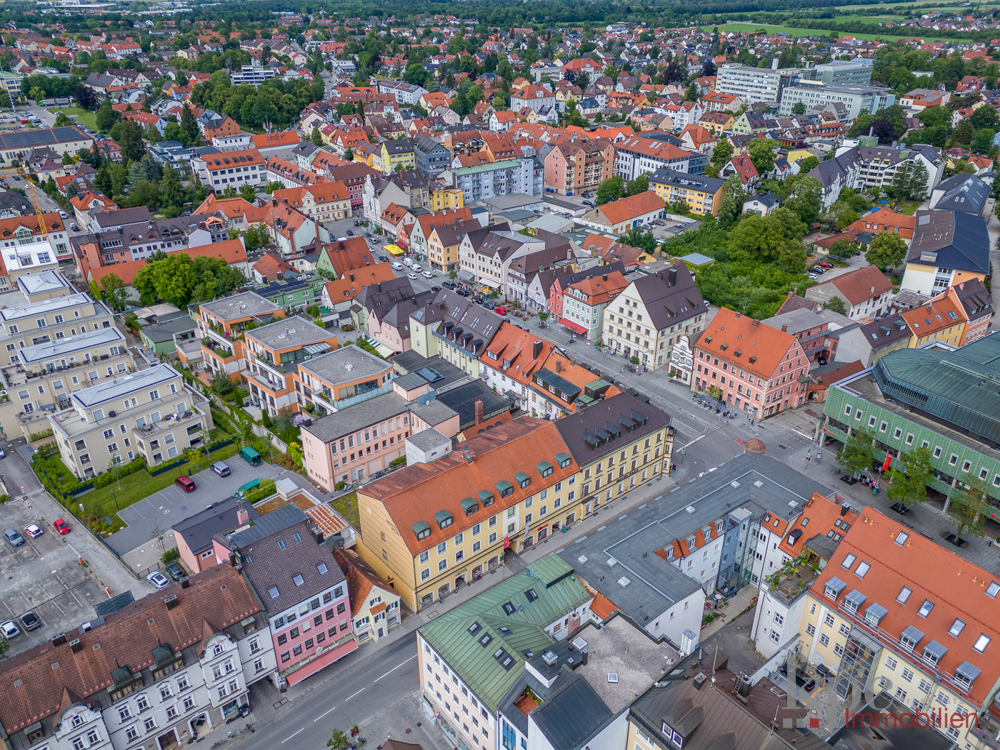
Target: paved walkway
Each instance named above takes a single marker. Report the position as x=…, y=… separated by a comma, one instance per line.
x=745, y=598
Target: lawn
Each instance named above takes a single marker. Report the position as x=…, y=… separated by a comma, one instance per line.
x=347, y=506
x=140, y=485
x=798, y=31
x=83, y=116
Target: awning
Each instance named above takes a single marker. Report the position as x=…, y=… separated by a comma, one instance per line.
x=576, y=328
x=490, y=284
x=466, y=275
x=394, y=250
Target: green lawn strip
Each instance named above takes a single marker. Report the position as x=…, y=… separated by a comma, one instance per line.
x=799, y=31
x=347, y=506
x=138, y=486
x=83, y=116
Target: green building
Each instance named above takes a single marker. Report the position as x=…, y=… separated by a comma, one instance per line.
x=946, y=401
x=293, y=293
x=161, y=337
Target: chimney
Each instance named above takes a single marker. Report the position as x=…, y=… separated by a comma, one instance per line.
x=352, y=276
x=784, y=328
x=558, y=366
x=479, y=410
x=873, y=290
x=242, y=516
x=605, y=277
x=536, y=349
x=754, y=324
x=672, y=277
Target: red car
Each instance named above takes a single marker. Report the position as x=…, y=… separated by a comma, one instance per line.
x=185, y=483
x=500, y=310
x=61, y=526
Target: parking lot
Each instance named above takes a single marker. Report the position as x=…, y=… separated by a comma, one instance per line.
x=164, y=510
x=43, y=576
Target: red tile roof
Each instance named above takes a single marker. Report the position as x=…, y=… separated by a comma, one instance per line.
x=756, y=347
x=631, y=207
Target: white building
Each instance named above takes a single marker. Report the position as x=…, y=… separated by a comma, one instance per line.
x=818, y=94
x=404, y=93
x=253, y=75
x=755, y=84
x=231, y=169
x=496, y=178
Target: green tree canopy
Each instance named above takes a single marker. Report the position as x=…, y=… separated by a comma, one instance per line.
x=856, y=455
x=909, y=476
x=886, y=251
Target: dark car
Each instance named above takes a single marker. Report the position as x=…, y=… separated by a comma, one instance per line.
x=461, y=293
x=383, y=259
x=30, y=621
x=174, y=570
x=350, y=232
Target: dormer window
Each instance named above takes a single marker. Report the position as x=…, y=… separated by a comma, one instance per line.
x=421, y=530
x=544, y=468
x=505, y=488
x=470, y=506
x=563, y=460
x=444, y=519
x=522, y=479
x=486, y=498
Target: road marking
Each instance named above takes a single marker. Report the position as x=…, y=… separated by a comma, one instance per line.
x=323, y=714
x=807, y=437
x=683, y=447
x=292, y=735
x=389, y=672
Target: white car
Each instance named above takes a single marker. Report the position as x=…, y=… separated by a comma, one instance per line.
x=411, y=276
x=32, y=531
x=397, y=266
x=158, y=579
x=427, y=274
x=9, y=630
x=417, y=267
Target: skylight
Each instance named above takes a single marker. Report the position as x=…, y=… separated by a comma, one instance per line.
x=321, y=567
x=849, y=561
x=273, y=591
x=862, y=569
x=298, y=579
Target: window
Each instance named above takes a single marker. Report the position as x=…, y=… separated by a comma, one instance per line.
x=862, y=569
x=982, y=642
x=824, y=640
x=956, y=628
x=891, y=663
x=908, y=674
x=904, y=595
x=829, y=620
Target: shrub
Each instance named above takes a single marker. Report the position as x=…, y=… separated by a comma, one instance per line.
x=40, y=435
x=170, y=554
x=401, y=461
x=264, y=489
x=348, y=328
x=339, y=486
x=112, y=475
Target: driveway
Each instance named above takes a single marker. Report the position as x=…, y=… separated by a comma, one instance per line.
x=167, y=508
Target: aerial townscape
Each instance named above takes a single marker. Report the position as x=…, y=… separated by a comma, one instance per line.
x=467, y=375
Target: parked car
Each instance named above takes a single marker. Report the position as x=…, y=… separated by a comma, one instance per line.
x=461, y=292
x=383, y=259
x=9, y=630
x=411, y=275
x=74, y=227
x=32, y=531
x=350, y=232
x=174, y=570
x=398, y=266
x=416, y=267
x=448, y=284
x=158, y=579
x=408, y=262
x=221, y=469
x=13, y=538
x=501, y=311
x=427, y=274
x=61, y=526
x=186, y=483
x=30, y=621
x=827, y=266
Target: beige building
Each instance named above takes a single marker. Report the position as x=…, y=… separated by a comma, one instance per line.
x=54, y=341
x=151, y=413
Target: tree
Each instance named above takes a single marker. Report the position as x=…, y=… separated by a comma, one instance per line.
x=130, y=140
x=338, y=741
x=189, y=125
x=910, y=474
x=416, y=74
x=856, y=455
x=835, y=304
x=349, y=154
x=114, y=292
x=62, y=120
x=611, y=189
x=969, y=508
x=886, y=251
x=221, y=383
x=691, y=92
x=732, y=201
x=635, y=237
x=316, y=137
x=722, y=152
x=799, y=108
x=639, y=185
x=106, y=116
x=982, y=142
x=808, y=164
x=761, y=151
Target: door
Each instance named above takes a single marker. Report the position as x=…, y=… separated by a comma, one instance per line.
x=380, y=632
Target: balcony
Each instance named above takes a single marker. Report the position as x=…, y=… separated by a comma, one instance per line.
x=792, y=581
x=223, y=352
x=984, y=738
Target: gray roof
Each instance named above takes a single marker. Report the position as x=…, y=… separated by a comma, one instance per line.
x=758, y=483
x=43, y=307
x=602, y=427
x=165, y=329
x=950, y=239
x=675, y=178
x=245, y=305
x=963, y=192
x=463, y=401
x=288, y=333
x=670, y=296
x=571, y=716
x=50, y=349
x=433, y=412
x=119, y=387
x=43, y=281
x=122, y=216
x=217, y=518
x=46, y=137
x=427, y=439
x=344, y=365
x=890, y=735
x=349, y=421
x=885, y=331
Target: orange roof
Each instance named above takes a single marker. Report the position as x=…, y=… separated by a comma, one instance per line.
x=822, y=516
x=897, y=557
x=272, y=140
x=415, y=495
x=328, y=520
x=940, y=313
x=231, y=207
x=598, y=289
x=602, y=606
x=347, y=255
x=230, y=159
x=631, y=207
x=884, y=220
x=862, y=284
x=348, y=287
x=9, y=226
x=755, y=347
x=271, y=267
x=323, y=192
x=231, y=251
x=361, y=579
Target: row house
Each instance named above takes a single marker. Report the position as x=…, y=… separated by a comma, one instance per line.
x=641, y=155
x=584, y=302
x=151, y=413
x=486, y=255
x=327, y=201
x=163, y=672
x=374, y=603
x=761, y=380
x=420, y=230
x=454, y=328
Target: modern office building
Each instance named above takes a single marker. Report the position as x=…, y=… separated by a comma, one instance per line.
x=853, y=98
x=755, y=84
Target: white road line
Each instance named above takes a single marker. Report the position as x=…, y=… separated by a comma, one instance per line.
x=358, y=693
x=323, y=714
x=807, y=437
x=693, y=441
x=292, y=735
x=393, y=669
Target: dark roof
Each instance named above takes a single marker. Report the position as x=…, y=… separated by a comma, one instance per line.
x=963, y=192
x=885, y=331
x=122, y=216
x=975, y=298
x=951, y=239
x=34, y=138
x=463, y=401
x=165, y=330
x=572, y=715
x=348, y=421
x=217, y=518
x=670, y=296
x=623, y=412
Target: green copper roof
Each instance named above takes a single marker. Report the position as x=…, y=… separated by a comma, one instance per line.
x=508, y=619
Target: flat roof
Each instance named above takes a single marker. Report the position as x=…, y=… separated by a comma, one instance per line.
x=43, y=281
x=356, y=418
x=119, y=387
x=245, y=305
x=82, y=341
x=345, y=365
x=289, y=333
x=44, y=306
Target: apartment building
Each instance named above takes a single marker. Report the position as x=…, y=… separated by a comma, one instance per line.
x=754, y=85
x=374, y=603
x=195, y=535
x=430, y=156
x=221, y=324
x=853, y=98
x=343, y=377
x=703, y=195
x=749, y=365
x=272, y=355
x=866, y=292
x=506, y=177
x=165, y=671
x=653, y=314
x=19, y=233
x=454, y=328
x=928, y=398
x=584, y=302
x=151, y=413
x=948, y=247
x=302, y=589
x=253, y=75
x=326, y=201
x=622, y=216
x=420, y=230
x=644, y=155
x=977, y=305
x=444, y=242
x=486, y=254
x=231, y=169
x=402, y=92
x=941, y=319
x=895, y=612
x=575, y=166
